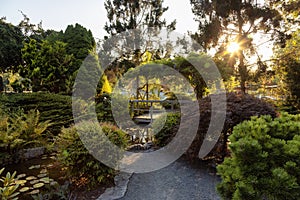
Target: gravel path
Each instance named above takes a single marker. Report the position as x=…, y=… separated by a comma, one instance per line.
x=179, y=181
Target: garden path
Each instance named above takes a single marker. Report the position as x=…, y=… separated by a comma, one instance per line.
x=179, y=181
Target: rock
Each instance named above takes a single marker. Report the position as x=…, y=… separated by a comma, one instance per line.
x=33, y=152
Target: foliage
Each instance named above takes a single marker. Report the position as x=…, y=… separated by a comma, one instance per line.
x=11, y=45
x=170, y=124
x=47, y=65
x=8, y=191
x=54, y=107
x=74, y=155
x=135, y=17
x=54, y=192
x=265, y=160
x=287, y=66
x=239, y=108
x=221, y=22
x=21, y=131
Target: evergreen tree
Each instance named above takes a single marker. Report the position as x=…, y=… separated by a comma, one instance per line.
x=47, y=66
x=137, y=15
x=11, y=38
x=221, y=22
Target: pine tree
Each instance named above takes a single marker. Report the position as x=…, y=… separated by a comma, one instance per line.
x=139, y=16
x=223, y=21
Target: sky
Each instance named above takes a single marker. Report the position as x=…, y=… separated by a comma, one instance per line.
x=58, y=14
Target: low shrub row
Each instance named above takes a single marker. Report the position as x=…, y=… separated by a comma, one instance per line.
x=54, y=107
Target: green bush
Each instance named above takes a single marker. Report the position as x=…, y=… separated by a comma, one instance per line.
x=80, y=163
x=170, y=125
x=265, y=160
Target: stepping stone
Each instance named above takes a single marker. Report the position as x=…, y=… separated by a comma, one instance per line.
x=50, y=165
x=34, y=167
x=34, y=192
x=45, y=180
x=21, y=176
x=38, y=185
x=41, y=175
x=24, y=189
x=29, y=178
x=20, y=182
x=43, y=171
x=34, y=182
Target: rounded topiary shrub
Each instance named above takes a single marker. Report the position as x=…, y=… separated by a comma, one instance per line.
x=240, y=107
x=265, y=160
x=81, y=165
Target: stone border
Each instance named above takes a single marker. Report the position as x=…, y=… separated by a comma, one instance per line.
x=120, y=188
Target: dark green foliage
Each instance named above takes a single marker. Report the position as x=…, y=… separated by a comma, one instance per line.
x=288, y=69
x=239, y=108
x=265, y=159
x=80, y=43
x=169, y=130
x=11, y=38
x=126, y=15
x=47, y=66
x=81, y=164
x=53, y=107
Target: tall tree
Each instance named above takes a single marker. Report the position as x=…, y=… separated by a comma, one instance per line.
x=46, y=65
x=127, y=14
x=221, y=22
x=137, y=15
x=11, y=38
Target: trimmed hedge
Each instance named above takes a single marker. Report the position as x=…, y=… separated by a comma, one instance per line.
x=54, y=107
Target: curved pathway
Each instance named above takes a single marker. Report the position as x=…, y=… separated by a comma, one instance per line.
x=179, y=181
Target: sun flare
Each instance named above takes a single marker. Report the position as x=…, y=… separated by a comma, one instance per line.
x=233, y=47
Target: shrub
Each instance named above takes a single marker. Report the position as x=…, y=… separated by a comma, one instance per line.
x=265, y=160
x=170, y=124
x=80, y=163
x=20, y=131
x=239, y=108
